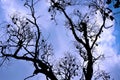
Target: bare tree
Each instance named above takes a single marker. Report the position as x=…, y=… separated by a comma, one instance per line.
x=67, y=68
x=25, y=42
x=83, y=27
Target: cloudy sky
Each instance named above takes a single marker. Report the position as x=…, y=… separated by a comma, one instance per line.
x=109, y=42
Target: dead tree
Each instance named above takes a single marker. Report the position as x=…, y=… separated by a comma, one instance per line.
x=25, y=42
x=83, y=27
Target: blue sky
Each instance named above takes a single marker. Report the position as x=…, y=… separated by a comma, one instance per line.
x=116, y=12
x=62, y=37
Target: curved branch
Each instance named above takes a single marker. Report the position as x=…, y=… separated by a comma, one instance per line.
x=98, y=34
x=44, y=68
x=70, y=22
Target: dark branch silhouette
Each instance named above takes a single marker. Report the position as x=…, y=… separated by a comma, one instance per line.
x=26, y=43
x=86, y=36
x=67, y=68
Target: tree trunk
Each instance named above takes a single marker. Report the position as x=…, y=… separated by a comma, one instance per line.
x=89, y=70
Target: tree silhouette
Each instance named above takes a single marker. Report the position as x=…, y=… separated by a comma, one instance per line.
x=25, y=40
x=67, y=68
x=85, y=35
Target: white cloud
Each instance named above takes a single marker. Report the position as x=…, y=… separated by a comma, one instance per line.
x=12, y=6
x=107, y=40
x=108, y=48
